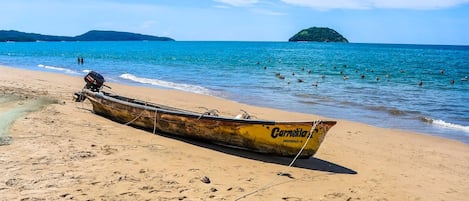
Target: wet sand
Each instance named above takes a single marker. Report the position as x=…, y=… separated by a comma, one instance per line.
x=63, y=151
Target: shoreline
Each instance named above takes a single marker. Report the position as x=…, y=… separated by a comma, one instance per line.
x=95, y=158
x=425, y=124
x=365, y=100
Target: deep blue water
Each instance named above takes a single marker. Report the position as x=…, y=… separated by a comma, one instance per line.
x=382, y=88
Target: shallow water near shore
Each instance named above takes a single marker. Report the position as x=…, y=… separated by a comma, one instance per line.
x=376, y=84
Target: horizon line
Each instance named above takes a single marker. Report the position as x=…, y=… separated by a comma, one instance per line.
x=260, y=41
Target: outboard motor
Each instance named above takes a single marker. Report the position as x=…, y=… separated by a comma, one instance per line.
x=94, y=81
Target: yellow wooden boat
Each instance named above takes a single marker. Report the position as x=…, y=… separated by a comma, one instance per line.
x=296, y=138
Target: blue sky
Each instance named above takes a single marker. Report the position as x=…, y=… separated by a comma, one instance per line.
x=360, y=21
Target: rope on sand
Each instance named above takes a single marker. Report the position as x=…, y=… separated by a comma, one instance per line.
x=271, y=184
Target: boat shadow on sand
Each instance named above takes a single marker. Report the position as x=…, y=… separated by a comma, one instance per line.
x=310, y=163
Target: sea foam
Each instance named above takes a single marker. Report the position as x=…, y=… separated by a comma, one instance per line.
x=172, y=85
x=58, y=69
x=444, y=124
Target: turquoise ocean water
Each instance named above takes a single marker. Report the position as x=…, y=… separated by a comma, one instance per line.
x=376, y=84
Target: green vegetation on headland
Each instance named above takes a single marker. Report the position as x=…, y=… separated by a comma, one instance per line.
x=318, y=34
x=94, y=35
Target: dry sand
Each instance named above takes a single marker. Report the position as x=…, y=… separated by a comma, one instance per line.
x=63, y=151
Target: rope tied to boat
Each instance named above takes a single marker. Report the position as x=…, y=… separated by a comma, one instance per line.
x=313, y=127
x=244, y=115
x=212, y=112
x=138, y=116
x=271, y=184
x=154, y=122
x=141, y=113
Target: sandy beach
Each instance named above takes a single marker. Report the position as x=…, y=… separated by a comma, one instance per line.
x=62, y=151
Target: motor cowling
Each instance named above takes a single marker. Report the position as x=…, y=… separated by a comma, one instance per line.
x=94, y=81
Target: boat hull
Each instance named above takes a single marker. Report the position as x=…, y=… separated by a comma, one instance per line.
x=279, y=138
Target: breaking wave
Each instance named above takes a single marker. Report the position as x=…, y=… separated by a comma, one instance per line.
x=161, y=83
x=441, y=123
x=58, y=69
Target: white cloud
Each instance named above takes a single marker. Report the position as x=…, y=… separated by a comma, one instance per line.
x=369, y=4
x=238, y=3
x=250, y=4
x=267, y=12
x=221, y=6
x=329, y=4
x=419, y=4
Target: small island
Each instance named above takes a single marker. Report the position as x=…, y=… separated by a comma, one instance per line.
x=318, y=34
x=95, y=35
